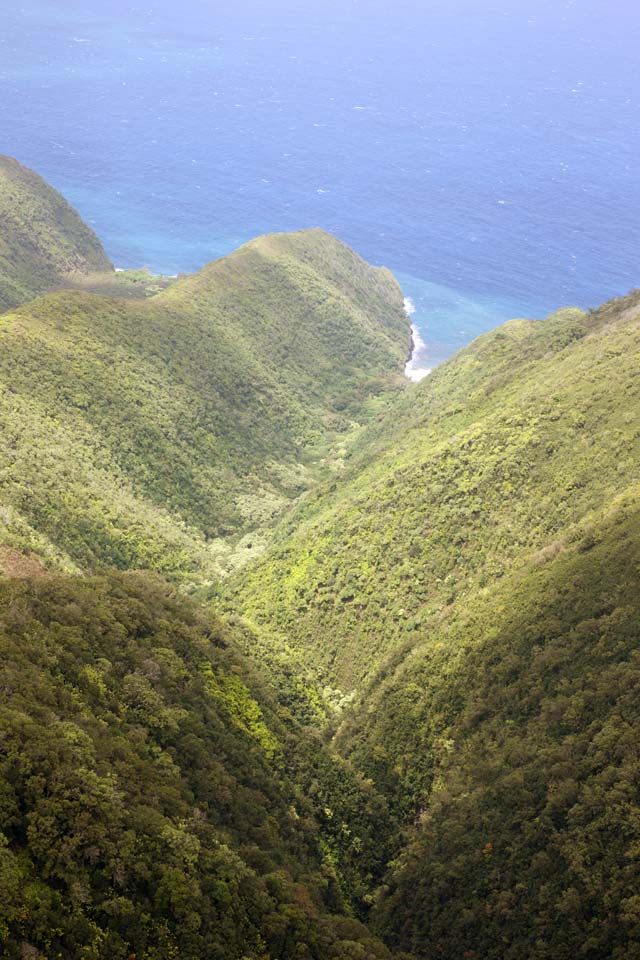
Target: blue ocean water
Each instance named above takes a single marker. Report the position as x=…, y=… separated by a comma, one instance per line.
x=485, y=150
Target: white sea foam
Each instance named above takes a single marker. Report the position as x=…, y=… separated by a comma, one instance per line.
x=415, y=368
x=409, y=306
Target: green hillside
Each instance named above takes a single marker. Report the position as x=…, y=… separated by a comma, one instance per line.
x=410, y=727
x=155, y=798
x=496, y=456
x=473, y=582
x=43, y=241
x=513, y=739
x=149, y=804
x=159, y=433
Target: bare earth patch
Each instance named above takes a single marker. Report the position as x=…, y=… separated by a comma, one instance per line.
x=14, y=564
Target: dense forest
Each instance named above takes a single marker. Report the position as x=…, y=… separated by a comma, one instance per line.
x=300, y=660
x=154, y=798
x=168, y=431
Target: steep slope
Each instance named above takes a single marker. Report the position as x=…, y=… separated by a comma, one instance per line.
x=513, y=737
x=155, y=433
x=453, y=582
x=473, y=582
x=494, y=457
x=149, y=804
x=42, y=239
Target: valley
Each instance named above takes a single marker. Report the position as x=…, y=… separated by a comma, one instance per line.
x=301, y=659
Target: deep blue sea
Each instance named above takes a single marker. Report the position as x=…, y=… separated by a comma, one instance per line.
x=485, y=150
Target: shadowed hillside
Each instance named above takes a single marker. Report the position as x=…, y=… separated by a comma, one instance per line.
x=42, y=239
x=153, y=800
x=513, y=734
x=473, y=581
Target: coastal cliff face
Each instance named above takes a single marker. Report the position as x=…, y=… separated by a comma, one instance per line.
x=399, y=714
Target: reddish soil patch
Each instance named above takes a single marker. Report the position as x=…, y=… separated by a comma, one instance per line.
x=14, y=564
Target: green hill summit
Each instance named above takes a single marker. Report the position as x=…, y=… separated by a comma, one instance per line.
x=43, y=241
x=168, y=432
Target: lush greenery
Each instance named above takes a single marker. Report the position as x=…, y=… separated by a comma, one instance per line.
x=518, y=742
x=473, y=582
x=417, y=719
x=147, y=796
x=43, y=241
x=496, y=456
x=168, y=432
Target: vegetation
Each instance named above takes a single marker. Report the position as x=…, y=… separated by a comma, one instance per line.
x=498, y=455
x=130, y=284
x=519, y=744
x=166, y=433
x=415, y=727
x=472, y=580
x=43, y=241
x=145, y=803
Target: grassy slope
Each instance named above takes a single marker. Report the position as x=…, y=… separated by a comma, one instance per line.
x=149, y=433
x=42, y=239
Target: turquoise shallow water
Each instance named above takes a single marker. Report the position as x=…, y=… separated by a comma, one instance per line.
x=448, y=318
x=486, y=151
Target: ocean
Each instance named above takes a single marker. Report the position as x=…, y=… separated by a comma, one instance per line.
x=484, y=150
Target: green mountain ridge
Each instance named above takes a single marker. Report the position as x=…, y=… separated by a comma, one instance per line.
x=408, y=728
x=473, y=580
x=43, y=241
x=497, y=454
x=166, y=433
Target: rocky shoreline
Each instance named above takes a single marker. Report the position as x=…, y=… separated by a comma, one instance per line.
x=415, y=368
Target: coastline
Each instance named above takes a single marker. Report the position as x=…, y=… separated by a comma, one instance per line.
x=415, y=368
